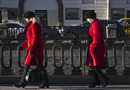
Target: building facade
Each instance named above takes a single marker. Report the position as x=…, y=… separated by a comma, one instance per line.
x=63, y=12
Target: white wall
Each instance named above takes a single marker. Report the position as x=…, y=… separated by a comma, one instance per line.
x=120, y=4
x=53, y=18
x=9, y=4
x=40, y=5
x=50, y=5
x=72, y=4
x=100, y=6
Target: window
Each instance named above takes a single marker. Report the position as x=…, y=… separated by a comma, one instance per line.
x=12, y=13
x=72, y=13
x=87, y=1
x=128, y=14
x=43, y=16
x=117, y=13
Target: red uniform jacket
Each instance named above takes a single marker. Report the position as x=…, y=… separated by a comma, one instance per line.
x=34, y=43
x=96, y=45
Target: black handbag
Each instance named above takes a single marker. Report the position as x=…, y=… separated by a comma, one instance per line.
x=35, y=75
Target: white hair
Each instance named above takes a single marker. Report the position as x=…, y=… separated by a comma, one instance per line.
x=36, y=19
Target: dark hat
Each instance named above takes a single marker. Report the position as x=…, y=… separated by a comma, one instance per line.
x=90, y=14
x=28, y=14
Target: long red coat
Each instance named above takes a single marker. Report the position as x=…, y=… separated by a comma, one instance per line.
x=34, y=43
x=96, y=45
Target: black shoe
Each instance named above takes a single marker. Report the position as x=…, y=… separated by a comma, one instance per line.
x=20, y=84
x=44, y=84
x=105, y=82
x=94, y=85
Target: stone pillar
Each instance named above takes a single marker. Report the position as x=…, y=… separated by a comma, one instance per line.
x=4, y=14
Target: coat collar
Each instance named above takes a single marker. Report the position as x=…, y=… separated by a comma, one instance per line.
x=29, y=21
x=94, y=21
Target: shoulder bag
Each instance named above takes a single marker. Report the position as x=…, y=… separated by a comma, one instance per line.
x=35, y=75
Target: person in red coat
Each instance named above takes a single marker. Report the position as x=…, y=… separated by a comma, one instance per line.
x=96, y=49
x=34, y=48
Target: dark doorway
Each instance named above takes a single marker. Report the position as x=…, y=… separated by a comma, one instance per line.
x=0, y=16
x=43, y=17
x=128, y=14
x=84, y=13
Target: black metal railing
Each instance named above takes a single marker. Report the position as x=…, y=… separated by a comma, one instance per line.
x=59, y=32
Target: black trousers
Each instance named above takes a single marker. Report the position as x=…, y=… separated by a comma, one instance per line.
x=98, y=75
x=27, y=68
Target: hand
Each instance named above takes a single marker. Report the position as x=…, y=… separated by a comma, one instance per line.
x=20, y=47
x=31, y=52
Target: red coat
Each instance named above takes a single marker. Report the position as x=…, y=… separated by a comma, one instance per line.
x=96, y=45
x=34, y=43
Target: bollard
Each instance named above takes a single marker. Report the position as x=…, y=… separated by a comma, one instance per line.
x=111, y=30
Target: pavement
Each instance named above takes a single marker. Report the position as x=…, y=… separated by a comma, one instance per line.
x=65, y=87
x=68, y=83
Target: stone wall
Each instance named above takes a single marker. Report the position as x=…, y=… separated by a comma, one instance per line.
x=64, y=57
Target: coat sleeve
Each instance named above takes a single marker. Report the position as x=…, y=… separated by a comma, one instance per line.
x=96, y=35
x=24, y=44
x=35, y=33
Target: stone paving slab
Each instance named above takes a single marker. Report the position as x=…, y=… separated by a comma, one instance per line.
x=67, y=87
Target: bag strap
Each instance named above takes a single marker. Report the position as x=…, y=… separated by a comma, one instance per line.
x=26, y=27
x=36, y=60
